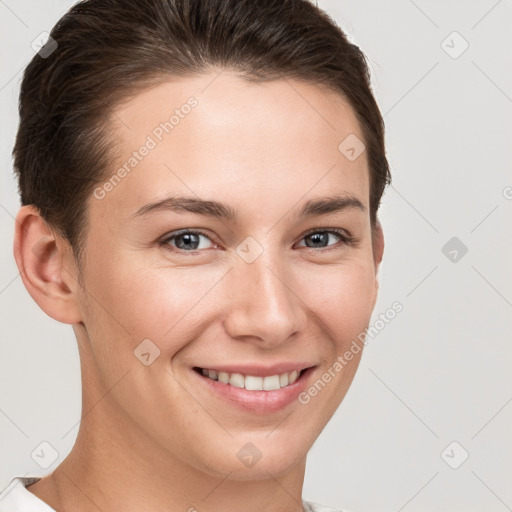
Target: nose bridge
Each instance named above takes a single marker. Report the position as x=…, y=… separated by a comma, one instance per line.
x=263, y=304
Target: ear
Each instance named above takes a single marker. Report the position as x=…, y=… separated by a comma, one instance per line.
x=378, y=251
x=47, y=266
x=377, y=245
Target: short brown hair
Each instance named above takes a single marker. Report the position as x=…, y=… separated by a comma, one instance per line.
x=108, y=50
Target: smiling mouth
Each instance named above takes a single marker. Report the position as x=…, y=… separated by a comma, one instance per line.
x=253, y=382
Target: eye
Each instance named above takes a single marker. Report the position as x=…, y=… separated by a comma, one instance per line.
x=190, y=241
x=186, y=241
x=319, y=237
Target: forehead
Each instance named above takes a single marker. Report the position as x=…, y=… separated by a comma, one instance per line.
x=218, y=134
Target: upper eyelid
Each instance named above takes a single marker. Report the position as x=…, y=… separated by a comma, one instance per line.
x=338, y=231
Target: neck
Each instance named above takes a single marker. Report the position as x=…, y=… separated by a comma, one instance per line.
x=103, y=473
x=115, y=466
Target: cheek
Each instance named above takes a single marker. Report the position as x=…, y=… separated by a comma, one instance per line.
x=131, y=301
x=342, y=299
x=343, y=302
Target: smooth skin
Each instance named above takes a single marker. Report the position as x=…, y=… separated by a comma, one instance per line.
x=154, y=437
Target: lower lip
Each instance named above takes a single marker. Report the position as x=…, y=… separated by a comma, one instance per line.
x=258, y=402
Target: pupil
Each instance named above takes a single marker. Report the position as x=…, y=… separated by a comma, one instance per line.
x=318, y=237
x=188, y=237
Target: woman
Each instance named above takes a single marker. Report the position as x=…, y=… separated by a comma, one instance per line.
x=200, y=183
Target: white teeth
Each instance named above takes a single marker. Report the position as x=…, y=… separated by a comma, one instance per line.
x=251, y=382
x=223, y=377
x=271, y=382
x=237, y=380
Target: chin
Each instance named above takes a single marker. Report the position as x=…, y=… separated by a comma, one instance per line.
x=258, y=460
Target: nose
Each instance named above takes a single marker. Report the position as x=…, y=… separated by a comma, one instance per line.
x=264, y=305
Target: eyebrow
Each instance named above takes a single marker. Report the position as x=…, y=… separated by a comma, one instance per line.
x=313, y=207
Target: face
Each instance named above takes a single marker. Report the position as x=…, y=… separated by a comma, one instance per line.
x=208, y=253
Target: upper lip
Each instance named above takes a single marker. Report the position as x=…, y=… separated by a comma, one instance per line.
x=259, y=370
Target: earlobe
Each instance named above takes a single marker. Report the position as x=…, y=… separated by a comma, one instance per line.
x=43, y=267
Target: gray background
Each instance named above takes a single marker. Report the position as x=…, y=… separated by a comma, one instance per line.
x=440, y=371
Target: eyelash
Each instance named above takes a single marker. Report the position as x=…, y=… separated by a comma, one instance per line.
x=345, y=238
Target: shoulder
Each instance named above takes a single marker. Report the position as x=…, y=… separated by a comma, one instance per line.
x=16, y=498
x=310, y=506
